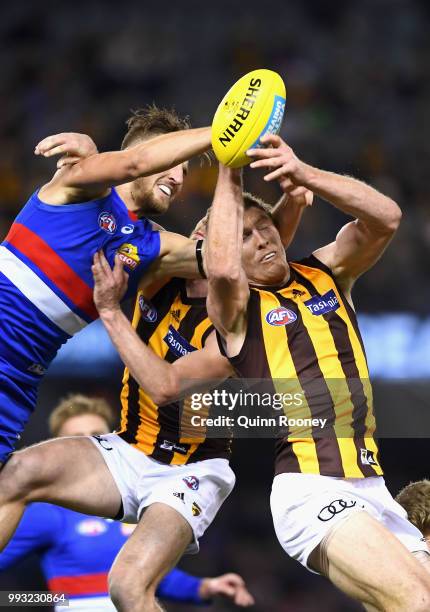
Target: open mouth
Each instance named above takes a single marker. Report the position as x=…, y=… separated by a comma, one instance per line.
x=166, y=190
x=269, y=256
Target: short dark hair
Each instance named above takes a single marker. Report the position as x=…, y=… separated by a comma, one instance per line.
x=415, y=499
x=152, y=121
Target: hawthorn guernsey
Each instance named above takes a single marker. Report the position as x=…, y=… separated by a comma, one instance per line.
x=46, y=289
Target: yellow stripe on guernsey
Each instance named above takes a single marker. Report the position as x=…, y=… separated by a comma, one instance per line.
x=149, y=427
x=195, y=441
x=282, y=369
x=332, y=369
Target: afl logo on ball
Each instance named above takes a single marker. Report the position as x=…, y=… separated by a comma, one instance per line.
x=281, y=316
x=107, y=222
x=147, y=309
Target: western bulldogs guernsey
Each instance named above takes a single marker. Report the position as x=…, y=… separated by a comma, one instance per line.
x=77, y=552
x=46, y=289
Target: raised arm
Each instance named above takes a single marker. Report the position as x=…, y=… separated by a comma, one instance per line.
x=360, y=243
x=228, y=290
x=164, y=382
x=288, y=212
x=95, y=174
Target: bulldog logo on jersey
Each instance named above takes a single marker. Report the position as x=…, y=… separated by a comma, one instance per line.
x=148, y=311
x=281, y=316
x=107, y=222
x=128, y=255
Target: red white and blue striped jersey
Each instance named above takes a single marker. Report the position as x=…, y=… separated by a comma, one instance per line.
x=46, y=284
x=76, y=553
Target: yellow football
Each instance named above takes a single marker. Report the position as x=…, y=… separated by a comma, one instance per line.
x=254, y=106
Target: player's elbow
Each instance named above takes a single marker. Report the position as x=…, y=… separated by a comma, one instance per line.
x=393, y=217
x=168, y=391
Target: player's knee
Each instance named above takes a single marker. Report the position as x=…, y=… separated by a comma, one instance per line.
x=126, y=585
x=414, y=596
x=19, y=476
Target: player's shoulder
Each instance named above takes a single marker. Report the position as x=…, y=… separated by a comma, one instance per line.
x=310, y=261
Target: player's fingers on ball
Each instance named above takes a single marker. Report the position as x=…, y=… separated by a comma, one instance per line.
x=276, y=174
x=271, y=139
x=262, y=153
x=270, y=162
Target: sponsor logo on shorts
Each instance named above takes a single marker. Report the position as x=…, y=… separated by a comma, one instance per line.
x=177, y=343
x=367, y=457
x=195, y=509
x=149, y=313
x=172, y=446
x=320, y=304
x=180, y=496
x=128, y=255
x=103, y=443
x=335, y=507
x=91, y=527
x=127, y=229
x=192, y=482
x=280, y=316
x=107, y=222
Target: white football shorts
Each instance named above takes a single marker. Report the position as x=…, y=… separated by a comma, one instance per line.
x=306, y=506
x=196, y=490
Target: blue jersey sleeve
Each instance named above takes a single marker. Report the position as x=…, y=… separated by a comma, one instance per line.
x=37, y=531
x=180, y=586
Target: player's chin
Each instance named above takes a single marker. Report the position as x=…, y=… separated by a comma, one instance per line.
x=157, y=205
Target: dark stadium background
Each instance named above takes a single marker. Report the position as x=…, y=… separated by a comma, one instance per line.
x=358, y=96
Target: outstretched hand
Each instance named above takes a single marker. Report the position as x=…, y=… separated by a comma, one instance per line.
x=229, y=585
x=109, y=285
x=278, y=157
x=71, y=146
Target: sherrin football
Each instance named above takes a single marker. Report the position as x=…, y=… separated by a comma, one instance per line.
x=254, y=106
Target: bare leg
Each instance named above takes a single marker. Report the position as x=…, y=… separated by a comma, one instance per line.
x=154, y=547
x=69, y=472
x=369, y=564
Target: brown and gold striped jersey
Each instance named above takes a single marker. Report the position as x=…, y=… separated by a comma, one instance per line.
x=172, y=325
x=304, y=336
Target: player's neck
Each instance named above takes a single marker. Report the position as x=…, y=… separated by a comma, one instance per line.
x=125, y=193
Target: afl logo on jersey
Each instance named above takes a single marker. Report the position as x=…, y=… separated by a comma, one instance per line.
x=91, y=527
x=281, y=316
x=107, y=222
x=147, y=309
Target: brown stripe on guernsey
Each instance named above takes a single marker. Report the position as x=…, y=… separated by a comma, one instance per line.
x=130, y=415
x=311, y=374
x=351, y=427
x=355, y=370
x=282, y=370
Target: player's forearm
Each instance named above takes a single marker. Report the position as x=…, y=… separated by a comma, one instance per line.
x=144, y=159
x=224, y=239
x=355, y=198
x=169, y=150
x=153, y=374
x=287, y=215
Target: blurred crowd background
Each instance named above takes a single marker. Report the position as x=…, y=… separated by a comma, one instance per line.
x=358, y=95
